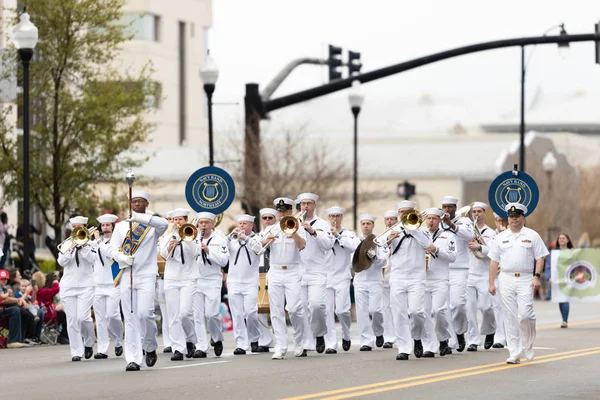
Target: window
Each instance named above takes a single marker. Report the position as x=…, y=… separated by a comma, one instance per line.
x=142, y=26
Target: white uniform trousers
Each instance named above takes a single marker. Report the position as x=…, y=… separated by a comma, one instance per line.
x=500, y=336
x=77, y=303
x=367, y=296
x=179, y=299
x=314, y=299
x=140, y=325
x=338, y=303
x=108, y=317
x=458, y=299
x=164, y=314
x=407, y=297
x=517, y=311
x=436, y=307
x=207, y=304
x=388, y=320
x=266, y=338
x=478, y=297
x=244, y=313
x=284, y=294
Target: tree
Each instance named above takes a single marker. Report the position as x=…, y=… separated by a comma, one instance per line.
x=589, y=206
x=89, y=113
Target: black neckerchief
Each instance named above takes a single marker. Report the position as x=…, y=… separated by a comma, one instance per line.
x=204, y=255
x=77, y=256
x=181, y=249
x=240, y=249
x=406, y=235
x=337, y=241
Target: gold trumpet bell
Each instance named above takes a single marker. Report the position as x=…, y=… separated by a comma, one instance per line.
x=188, y=232
x=289, y=225
x=411, y=220
x=80, y=236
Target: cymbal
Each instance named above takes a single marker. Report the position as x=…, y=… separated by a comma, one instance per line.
x=360, y=260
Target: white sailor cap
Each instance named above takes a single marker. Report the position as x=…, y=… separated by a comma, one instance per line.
x=515, y=208
x=480, y=204
x=310, y=196
x=367, y=217
x=267, y=210
x=180, y=212
x=206, y=215
x=168, y=214
x=245, y=218
x=449, y=200
x=390, y=214
x=79, y=220
x=406, y=204
x=434, y=211
x=140, y=193
x=335, y=210
x=283, y=203
x=107, y=218
x=496, y=216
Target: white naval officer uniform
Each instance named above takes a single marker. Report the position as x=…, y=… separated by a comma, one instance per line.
x=500, y=336
x=77, y=293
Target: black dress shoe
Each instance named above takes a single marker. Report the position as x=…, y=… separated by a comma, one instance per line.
x=239, y=352
x=472, y=347
x=365, y=348
x=346, y=344
x=331, y=351
x=304, y=353
x=167, y=349
x=100, y=356
x=418, y=349
x=263, y=349
x=320, y=347
x=191, y=348
x=444, y=349
x=151, y=358
x=461, y=342
x=89, y=352
x=132, y=367
x=212, y=342
x=402, y=357
x=254, y=347
x=388, y=345
x=177, y=356
x=428, y=354
x=218, y=348
x=489, y=341
x=379, y=341
x=76, y=358
x=199, y=354
x=119, y=351
x=62, y=340
x=498, y=346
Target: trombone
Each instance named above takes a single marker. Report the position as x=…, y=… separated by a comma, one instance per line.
x=80, y=236
x=288, y=225
x=187, y=233
x=410, y=220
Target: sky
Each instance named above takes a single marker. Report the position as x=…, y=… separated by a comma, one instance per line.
x=252, y=40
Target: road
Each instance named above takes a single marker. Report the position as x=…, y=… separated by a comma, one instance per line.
x=566, y=366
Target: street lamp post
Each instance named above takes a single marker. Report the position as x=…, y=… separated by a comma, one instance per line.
x=563, y=48
x=355, y=98
x=209, y=74
x=25, y=36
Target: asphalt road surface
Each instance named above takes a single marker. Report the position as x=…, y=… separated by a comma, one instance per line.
x=567, y=366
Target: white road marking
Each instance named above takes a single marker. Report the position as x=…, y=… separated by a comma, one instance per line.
x=196, y=365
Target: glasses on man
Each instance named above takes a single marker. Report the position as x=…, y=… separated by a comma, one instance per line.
x=267, y=218
x=307, y=203
x=336, y=216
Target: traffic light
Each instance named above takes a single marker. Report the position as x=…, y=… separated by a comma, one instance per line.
x=406, y=190
x=597, y=43
x=335, y=62
x=354, y=63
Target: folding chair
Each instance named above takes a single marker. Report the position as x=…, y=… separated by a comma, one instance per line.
x=3, y=331
x=49, y=328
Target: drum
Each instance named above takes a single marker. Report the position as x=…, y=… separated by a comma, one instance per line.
x=263, y=295
x=161, y=266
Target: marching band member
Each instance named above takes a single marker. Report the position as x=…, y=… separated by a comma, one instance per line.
x=77, y=294
x=315, y=259
x=500, y=336
x=181, y=275
x=390, y=217
x=160, y=286
x=212, y=255
x=516, y=249
x=478, y=296
x=439, y=255
x=338, y=280
x=242, y=285
x=407, y=284
x=367, y=292
x=106, y=300
x=459, y=270
x=284, y=283
x=140, y=323
x=268, y=217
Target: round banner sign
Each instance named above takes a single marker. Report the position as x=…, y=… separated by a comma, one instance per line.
x=513, y=187
x=210, y=189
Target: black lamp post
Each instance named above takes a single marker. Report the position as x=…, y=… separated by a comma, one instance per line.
x=355, y=98
x=25, y=36
x=563, y=48
x=209, y=74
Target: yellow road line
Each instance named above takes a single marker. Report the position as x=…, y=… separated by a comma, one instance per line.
x=578, y=323
x=437, y=374
x=446, y=378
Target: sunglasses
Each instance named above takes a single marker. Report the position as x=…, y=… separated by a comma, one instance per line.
x=267, y=218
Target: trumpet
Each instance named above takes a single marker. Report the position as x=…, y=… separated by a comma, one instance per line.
x=410, y=220
x=288, y=225
x=80, y=236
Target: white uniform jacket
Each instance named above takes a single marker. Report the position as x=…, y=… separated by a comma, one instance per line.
x=481, y=267
x=243, y=262
x=210, y=264
x=181, y=265
x=445, y=241
x=517, y=252
x=316, y=256
x=464, y=234
x=103, y=263
x=340, y=266
x=407, y=255
x=78, y=267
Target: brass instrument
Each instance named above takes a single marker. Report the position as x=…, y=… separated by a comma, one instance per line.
x=288, y=225
x=467, y=211
x=234, y=235
x=187, y=233
x=410, y=220
x=80, y=236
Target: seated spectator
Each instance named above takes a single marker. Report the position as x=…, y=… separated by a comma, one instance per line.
x=10, y=308
x=48, y=289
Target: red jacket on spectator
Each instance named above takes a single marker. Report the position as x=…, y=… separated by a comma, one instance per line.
x=45, y=297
